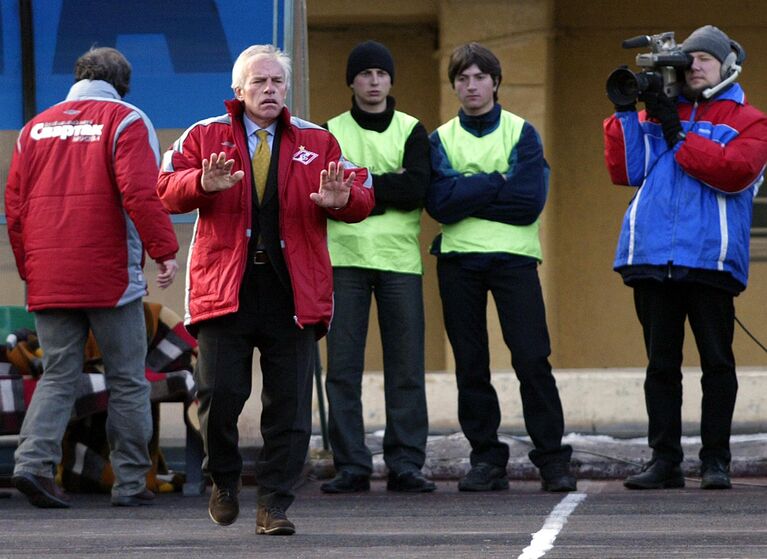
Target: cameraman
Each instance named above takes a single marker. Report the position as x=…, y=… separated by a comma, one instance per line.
x=684, y=245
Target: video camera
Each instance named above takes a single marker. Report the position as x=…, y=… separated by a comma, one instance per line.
x=663, y=70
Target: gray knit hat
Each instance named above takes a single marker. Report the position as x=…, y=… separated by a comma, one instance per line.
x=369, y=54
x=714, y=41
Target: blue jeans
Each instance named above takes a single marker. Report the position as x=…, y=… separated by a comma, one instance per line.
x=121, y=336
x=400, y=318
x=521, y=311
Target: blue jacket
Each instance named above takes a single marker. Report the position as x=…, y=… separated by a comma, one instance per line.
x=694, y=203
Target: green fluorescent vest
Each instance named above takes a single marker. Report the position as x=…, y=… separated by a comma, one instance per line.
x=468, y=155
x=381, y=242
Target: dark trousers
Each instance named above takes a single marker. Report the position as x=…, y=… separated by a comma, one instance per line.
x=399, y=299
x=518, y=297
x=662, y=309
x=223, y=375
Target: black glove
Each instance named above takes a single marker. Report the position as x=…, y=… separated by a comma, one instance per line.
x=663, y=109
x=623, y=108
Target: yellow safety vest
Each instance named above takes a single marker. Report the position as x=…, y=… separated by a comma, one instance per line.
x=381, y=242
x=469, y=154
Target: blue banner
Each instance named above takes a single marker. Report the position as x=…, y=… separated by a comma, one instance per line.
x=10, y=66
x=181, y=51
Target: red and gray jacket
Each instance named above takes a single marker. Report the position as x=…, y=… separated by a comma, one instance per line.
x=80, y=201
x=219, y=246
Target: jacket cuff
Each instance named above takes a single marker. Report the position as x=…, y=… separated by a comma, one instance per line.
x=165, y=258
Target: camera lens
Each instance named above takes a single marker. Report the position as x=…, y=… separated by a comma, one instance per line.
x=623, y=86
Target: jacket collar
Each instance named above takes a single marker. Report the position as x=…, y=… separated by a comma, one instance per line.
x=377, y=122
x=236, y=110
x=733, y=92
x=481, y=125
x=92, y=88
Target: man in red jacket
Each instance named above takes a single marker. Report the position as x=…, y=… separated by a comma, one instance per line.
x=81, y=208
x=263, y=184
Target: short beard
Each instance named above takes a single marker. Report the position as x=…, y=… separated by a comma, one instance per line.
x=693, y=93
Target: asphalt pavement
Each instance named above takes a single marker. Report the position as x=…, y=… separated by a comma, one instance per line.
x=601, y=519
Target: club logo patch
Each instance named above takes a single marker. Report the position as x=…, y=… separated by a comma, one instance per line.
x=77, y=131
x=304, y=156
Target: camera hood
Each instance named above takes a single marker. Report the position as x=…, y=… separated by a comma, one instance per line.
x=624, y=86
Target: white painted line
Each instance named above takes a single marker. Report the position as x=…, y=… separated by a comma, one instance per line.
x=543, y=539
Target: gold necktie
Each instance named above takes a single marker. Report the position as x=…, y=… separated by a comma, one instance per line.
x=261, y=164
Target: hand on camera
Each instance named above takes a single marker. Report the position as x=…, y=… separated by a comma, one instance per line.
x=625, y=108
x=663, y=109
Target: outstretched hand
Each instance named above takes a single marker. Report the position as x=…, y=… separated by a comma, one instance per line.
x=217, y=173
x=334, y=190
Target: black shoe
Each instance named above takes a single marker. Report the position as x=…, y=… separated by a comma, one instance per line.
x=346, y=482
x=657, y=474
x=409, y=482
x=144, y=498
x=41, y=491
x=484, y=477
x=557, y=478
x=272, y=521
x=715, y=474
x=224, y=505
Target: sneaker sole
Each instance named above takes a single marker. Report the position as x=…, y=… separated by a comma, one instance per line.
x=36, y=495
x=559, y=488
x=411, y=490
x=425, y=488
x=668, y=484
x=280, y=531
x=495, y=485
x=131, y=502
x=219, y=522
x=333, y=491
x=716, y=485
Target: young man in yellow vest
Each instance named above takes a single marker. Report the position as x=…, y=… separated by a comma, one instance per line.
x=379, y=256
x=488, y=188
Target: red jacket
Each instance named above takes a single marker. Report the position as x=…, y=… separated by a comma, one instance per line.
x=81, y=199
x=219, y=245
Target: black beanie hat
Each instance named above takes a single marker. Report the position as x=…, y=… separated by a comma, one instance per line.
x=369, y=54
x=714, y=41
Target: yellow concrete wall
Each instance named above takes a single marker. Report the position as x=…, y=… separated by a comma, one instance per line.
x=11, y=287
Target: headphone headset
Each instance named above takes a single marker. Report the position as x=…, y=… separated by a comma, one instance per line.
x=727, y=65
x=730, y=70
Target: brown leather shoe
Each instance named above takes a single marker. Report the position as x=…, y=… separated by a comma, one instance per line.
x=272, y=521
x=224, y=505
x=41, y=491
x=144, y=498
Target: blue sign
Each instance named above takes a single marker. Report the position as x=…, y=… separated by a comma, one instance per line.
x=182, y=52
x=10, y=67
